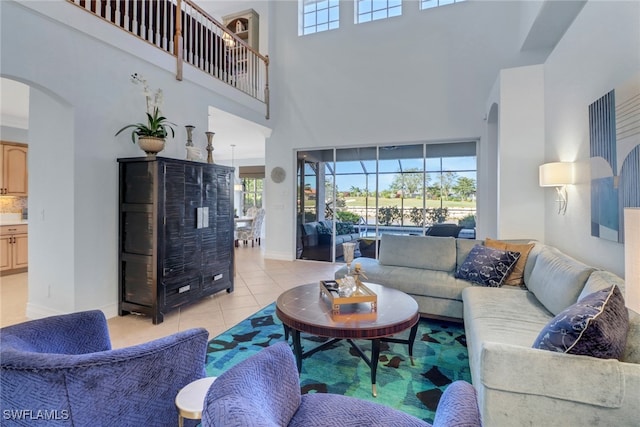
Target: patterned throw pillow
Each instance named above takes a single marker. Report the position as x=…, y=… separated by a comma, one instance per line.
x=344, y=228
x=516, y=277
x=487, y=266
x=597, y=326
x=322, y=229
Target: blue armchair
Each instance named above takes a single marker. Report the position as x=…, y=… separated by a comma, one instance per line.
x=264, y=391
x=62, y=369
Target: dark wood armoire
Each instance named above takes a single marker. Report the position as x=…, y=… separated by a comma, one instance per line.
x=176, y=233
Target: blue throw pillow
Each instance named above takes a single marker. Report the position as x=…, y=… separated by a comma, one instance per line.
x=597, y=326
x=487, y=266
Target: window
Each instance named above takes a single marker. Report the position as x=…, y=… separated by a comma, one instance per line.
x=371, y=10
x=318, y=15
x=402, y=189
x=428, y=4
x=252, y=194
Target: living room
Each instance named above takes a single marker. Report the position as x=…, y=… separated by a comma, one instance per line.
x=508, y=74
x=531, y=126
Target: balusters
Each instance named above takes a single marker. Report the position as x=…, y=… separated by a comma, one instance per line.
x=163, y=43
x=134, y=27
x=171, y=19
x=205, y=43
x=126, y=23
x=107, y=11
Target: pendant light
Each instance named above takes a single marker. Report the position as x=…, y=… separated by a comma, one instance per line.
x=237, y=184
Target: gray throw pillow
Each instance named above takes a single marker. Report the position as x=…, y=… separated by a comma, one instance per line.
x=597, y=326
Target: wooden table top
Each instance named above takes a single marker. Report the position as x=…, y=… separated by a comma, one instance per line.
x=305, y=309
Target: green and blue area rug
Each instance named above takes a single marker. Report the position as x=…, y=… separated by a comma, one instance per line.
x=440, y=357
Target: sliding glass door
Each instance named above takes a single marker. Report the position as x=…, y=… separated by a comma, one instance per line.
x=357, y=194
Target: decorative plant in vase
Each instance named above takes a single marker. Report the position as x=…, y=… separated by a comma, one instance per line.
x=151, y=136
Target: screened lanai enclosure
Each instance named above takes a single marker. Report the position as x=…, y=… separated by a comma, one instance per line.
x=357, y=194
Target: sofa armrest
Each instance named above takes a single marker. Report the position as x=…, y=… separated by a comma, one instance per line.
x=134, y=385
x=74, y=333
x=458, y=407
x=310, y=240
x=263, y=390
x=583, y=379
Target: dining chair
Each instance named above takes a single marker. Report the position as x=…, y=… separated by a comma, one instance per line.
x=251, y=233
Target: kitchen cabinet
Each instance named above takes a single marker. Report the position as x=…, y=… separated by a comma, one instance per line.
x=13, y=248
x=175, y=233
x=14, y=178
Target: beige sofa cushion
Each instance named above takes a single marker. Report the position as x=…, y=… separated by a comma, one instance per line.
x=557, y=279
x=431, y=253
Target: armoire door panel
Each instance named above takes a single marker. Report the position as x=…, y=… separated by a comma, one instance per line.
x=176, y=216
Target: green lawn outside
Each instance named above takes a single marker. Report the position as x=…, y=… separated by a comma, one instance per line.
x=359, y=202
x=457, y=209
x=407, y=203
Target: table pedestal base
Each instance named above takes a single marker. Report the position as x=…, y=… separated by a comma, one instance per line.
x=371, y=362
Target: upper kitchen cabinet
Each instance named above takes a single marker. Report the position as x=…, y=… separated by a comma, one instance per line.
x=14, y=177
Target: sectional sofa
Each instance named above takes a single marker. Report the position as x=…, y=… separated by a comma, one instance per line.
x=518, y=384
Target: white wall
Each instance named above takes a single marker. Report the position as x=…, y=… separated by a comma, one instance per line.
x=8, y=133
x=52, y=200
x=520, y=150
x=424, y=76
x=600, y=51
x=73, y=169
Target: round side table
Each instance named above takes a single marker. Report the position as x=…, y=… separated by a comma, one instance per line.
x=190, y=399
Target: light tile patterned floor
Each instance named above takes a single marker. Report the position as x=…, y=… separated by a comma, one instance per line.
x=258, y=283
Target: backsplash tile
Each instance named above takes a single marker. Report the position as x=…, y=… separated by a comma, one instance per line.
x=10, y=204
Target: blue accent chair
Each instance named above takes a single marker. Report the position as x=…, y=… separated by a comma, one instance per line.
x=264, y=391
x=61, y=370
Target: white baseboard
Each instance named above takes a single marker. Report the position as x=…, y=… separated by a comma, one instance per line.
x=35, y=311
x=278, y=256
x=110, y=310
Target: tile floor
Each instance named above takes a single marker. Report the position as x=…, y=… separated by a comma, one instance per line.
x=258, y=283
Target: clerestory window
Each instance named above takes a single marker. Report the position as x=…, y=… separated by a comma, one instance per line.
x=428, y=4
x=318, y=15
x=372, y=10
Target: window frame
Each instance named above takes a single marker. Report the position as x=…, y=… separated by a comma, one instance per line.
x=392, y=9
x=432, y=4
x=332, y=11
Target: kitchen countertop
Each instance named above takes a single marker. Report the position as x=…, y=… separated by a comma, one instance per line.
x=21, y=222
x=12, y=219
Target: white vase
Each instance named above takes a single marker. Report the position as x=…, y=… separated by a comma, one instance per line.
x=151, y=145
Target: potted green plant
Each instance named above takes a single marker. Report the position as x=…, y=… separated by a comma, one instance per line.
x=152, y=135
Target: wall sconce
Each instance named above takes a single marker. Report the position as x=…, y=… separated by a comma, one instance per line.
x=631, y=257
x=558, y=175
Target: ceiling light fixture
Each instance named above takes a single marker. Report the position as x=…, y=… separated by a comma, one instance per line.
x=237, y=184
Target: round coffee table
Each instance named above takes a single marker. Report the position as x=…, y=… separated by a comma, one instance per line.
x=304, y=309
